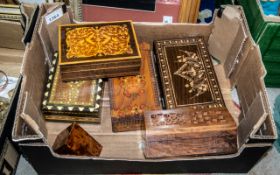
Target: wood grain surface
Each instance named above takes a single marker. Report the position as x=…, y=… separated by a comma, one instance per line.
x=195, y=131
x=189, y=10
x=97, y=36
x=98, y=50
x=96, y=66
x=74, y=140
x=108, y=72
x=71, y=101
x=187, y=74
x=132, y=96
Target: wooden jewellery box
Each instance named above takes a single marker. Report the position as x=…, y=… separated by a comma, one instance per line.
x=98, y=50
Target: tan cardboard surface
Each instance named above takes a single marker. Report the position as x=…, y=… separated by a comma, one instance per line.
x=45, y=31
x=11, y=47
x=11, y=34
x=11, y=61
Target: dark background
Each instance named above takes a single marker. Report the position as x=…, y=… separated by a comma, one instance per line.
x=128, y=4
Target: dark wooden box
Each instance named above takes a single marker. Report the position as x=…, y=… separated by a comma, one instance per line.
x=187, y=74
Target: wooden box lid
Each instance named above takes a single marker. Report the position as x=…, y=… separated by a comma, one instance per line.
x=132, y=95
x=97, y=43
x=188, y=123
x=72, y=101
x=189, y=132
x=187, y=74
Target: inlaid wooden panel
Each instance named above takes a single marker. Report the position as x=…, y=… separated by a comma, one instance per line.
x=98, y=50
x=187, y=73
x=71, y=101
x=131, y=96
x=97, y=42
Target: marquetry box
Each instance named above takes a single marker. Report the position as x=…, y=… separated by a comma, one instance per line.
x=189, y=132
x=186, y=73
x=78, y=101
x=131, y=96
x=98, y=50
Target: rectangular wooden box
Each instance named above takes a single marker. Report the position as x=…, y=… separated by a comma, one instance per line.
x=98, y=50
x=78, y=101
x=189, y=132
x=131, y=96
x=187, y=74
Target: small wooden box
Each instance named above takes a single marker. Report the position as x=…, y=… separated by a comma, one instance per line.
x=76, y=101
x=187, y=74
x=98, y=50
x=74, y=140
x=131, y=96
x=189, y=132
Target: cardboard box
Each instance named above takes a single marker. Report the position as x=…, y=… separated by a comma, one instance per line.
x=241, y=67
x=11, y=59
x=11, y=55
